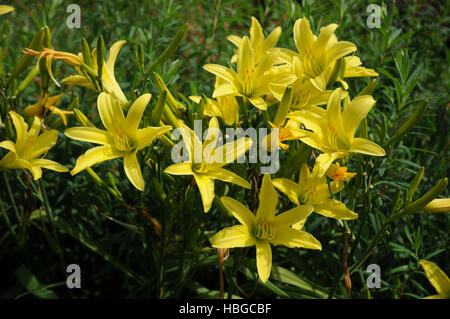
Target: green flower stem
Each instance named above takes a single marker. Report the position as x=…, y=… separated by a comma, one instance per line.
x=51, y=216
x=11, y=197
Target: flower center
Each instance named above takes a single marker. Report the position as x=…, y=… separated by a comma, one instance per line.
x=200, y=167
x=307, y=197
x=265, y=230
x=122, y=141
x=248, y=82
x=334, y=139
x=310, y=65
x=301, y=99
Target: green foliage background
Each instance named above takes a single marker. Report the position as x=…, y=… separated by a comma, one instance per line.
x=116, y=245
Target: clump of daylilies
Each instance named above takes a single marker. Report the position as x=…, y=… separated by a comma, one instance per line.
x=302, y=93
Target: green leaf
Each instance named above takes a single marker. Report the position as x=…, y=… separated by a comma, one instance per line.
x=274, y=288
x=82, y=238
x=131, y=227
x=170, y=50
x=32, y=284
x=288, y=277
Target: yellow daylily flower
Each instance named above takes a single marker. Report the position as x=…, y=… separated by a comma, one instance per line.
x=265, y=228
x=289, y=132
x=29, y=148
x=122, y=137
x=306, y=96
x=47, y=103
x=313, y=189
x=260, y=44
x=339, y=173
x=5, y=9
x=207, y=166
x=225, y=107
x=438, y=205
x=50, y=54
x=109, y=82
x=317, y=53
x=333, y=133
x=251, y=80
x=438, y=279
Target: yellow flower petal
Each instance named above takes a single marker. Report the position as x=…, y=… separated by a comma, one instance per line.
x=303, y=36
x=363, y=146
x=110, y=112
x=133, y=171
x=36, y=171
x=179, y=169
x=228, y=176
x=89, y=134
x=206, y=188
x=221, y=71
x=20, y=126
x=94, y=156
x=225, y=90
x=438, y=205
x=324, y=36
x=146, y=136
x=239, y=211
x=339, y=49
x=135, y=112
x=334, y=209
x=291, y=238
x=324, y=161
x=437, y=277
x=9, y=145
x=231, y=151
x=258, y=102
x=231, y=237
x=293, y=216
x=43, y=143
x=245, y=58
x=271, y=39
x=48, y=164
x=5, y=9
x=355, y=111
x=263, y=259
x=113, y=52
x=268, y=200
x=78, y=80
x=287, y=187
x=256, y=32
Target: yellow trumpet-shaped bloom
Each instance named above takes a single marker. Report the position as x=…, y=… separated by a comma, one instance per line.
x=50, y=54
x=438, y=279
x=333, y=133
x=260, y=44
x=339, y=173
x=313, y=189
x=29, y=148
x=438, y=205
x=109, y=81
x=121, y=139
x=206, y=161
x=305, y=95
x=251, y=79
x=5, y=9
x=225, y=107
x=317, y=54
x=289, y=132
x=47, y=103
x=265, y=228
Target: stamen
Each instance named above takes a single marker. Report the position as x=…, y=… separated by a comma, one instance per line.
x=122, y=142
x=265, y=230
